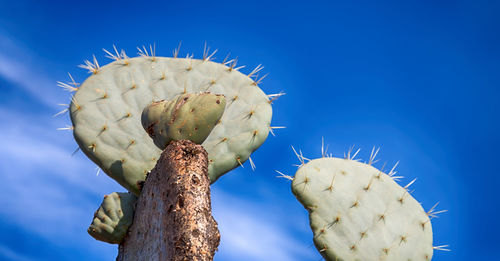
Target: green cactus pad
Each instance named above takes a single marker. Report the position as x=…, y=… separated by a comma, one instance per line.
x=186, y=117
x=357, y=212
x=113, y=218
x=106, y=114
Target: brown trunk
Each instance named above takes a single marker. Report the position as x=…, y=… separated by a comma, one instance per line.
x=173, y=218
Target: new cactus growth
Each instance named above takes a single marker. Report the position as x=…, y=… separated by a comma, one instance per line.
x=358, y=212
x=106, y=112
x=113, y=218
x=186, y=117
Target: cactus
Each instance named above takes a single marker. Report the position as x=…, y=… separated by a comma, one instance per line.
x=186, y=117
x=128, y=111
x=106, y=112
x=113, y=218
x=357, y=212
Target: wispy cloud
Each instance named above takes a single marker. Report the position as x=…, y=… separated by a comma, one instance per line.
x=247, y=232
x=54, y=193
x=18, y=66
x=10, y=255
x=47, y=192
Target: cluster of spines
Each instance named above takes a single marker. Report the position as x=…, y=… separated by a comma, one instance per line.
x=351, y=155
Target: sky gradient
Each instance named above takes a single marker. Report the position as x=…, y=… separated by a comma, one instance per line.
x=418, y=79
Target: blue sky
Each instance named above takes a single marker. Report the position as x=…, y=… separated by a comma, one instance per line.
x=420, y=79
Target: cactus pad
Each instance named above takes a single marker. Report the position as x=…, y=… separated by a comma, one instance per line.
x=106, y=113
x=186, y=117
x=357, y=212
x=113, y=218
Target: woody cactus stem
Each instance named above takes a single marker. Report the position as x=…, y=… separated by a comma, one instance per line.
x=173, y=219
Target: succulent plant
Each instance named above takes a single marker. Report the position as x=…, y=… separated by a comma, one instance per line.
x=358, y=212
x=186, y=117
x=113, y=218
x=106, y=112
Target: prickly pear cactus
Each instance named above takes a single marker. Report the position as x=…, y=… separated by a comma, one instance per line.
x=357, y=212
x=186, y=117
x=106, y=112
x=113, y=218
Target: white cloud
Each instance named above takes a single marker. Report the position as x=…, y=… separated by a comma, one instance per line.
x=249, y=233
x=8, y=254
x=18, y=66
x=46, y=191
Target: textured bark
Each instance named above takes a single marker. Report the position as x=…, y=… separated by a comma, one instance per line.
x=173, y=218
